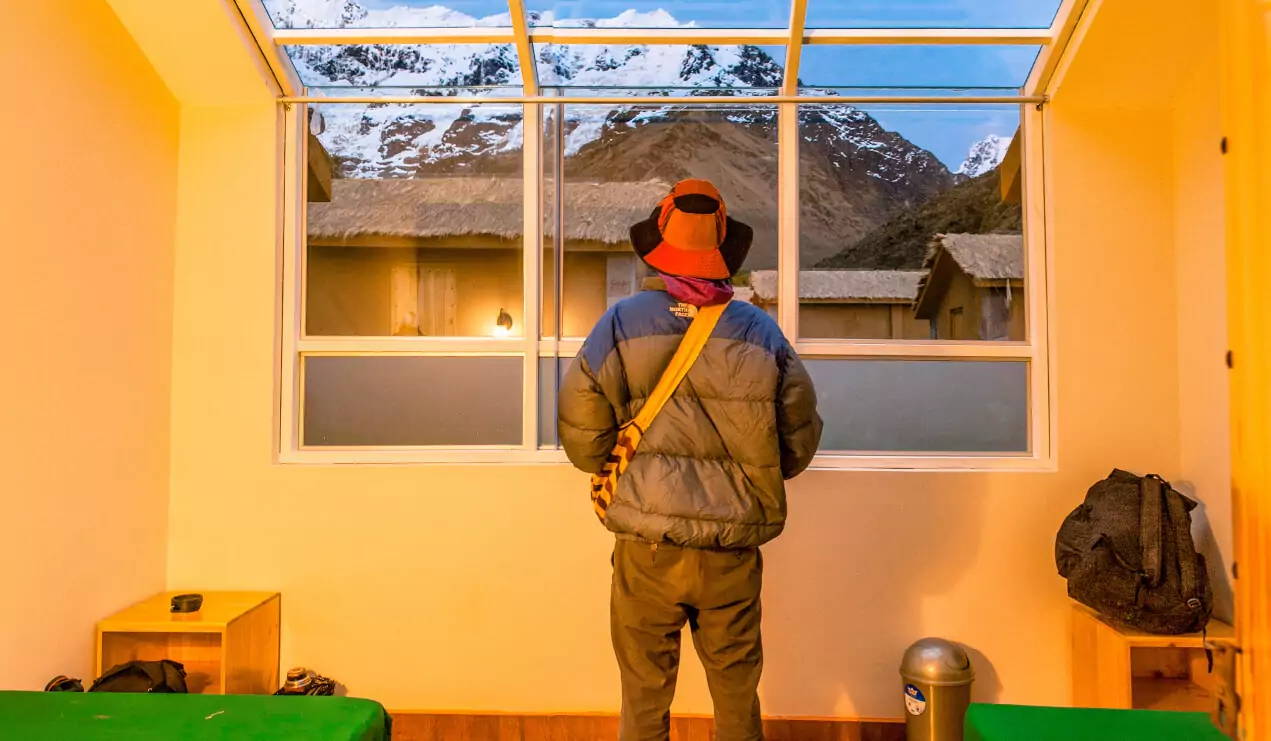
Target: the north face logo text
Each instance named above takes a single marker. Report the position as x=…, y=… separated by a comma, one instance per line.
x=686, y=311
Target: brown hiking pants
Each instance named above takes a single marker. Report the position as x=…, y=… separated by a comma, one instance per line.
x=655, y=593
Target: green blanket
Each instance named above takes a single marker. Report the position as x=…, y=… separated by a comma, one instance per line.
x=75, y=716
x=1014, y=723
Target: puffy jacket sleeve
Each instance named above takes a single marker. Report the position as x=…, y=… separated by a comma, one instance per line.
x=798, y=424
x=588, y=425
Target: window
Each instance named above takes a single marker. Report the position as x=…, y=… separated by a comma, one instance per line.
x=463, y=177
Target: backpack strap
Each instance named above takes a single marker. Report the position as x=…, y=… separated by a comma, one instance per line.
x=1152, y=528
x=1189, y=580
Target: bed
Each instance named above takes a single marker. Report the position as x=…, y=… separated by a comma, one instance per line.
x=76, y=716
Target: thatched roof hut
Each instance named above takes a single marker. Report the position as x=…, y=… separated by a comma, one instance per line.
x=843, y=286
x=989, y=260
x=488, y=212
x=986, y=258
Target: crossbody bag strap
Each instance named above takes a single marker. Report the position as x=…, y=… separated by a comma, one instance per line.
x=685, y=357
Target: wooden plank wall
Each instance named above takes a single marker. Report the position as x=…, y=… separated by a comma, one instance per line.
x=463, y=727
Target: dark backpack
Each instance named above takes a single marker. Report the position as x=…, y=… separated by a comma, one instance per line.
x=143, y=676
x=1127, y=553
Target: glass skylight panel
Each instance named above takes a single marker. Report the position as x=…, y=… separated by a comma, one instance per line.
x=659, y=66
x=388, y=13
x=926, y=67
x=408, y=67
x=931, y=13
x=659, y=13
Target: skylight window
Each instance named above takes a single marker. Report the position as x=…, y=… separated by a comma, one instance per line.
x=408, y=66
x=931, y=13
x=659, y=67
x=659, y=13
x=388, y=13
x=917, y=66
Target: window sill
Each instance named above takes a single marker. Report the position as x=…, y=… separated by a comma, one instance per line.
x=554, y=457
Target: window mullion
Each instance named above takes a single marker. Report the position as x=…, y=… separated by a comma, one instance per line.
x=788, y=219
x=532, y=216
x=294, y=156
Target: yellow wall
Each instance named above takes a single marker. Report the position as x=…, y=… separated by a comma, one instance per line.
x=88, y=204
x=1176, y=99
x=1199, y=214
x=486, y=587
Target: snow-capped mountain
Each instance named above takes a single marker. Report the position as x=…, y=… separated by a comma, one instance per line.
x=985, y=155
x=855, y=174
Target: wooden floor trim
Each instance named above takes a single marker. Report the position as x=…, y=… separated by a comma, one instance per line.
x=456, y=726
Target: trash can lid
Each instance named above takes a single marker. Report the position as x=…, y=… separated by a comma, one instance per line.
x=935, y=661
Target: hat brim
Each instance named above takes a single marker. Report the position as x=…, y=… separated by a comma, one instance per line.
x=646, y=238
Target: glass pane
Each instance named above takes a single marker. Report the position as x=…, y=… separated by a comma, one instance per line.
x=905, y=230
x=551, y=372
x=409, y=66
x=618, y=163
x=387, y=14
x=916, y=66
x=659, y=13
x=411, y=401
x=659, y=67
x=931, y=13
x=919, y=406
x=420, y=232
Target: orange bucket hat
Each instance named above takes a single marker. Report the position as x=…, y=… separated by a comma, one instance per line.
x=691, y=235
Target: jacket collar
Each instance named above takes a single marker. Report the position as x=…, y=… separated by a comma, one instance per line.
x=653, y=283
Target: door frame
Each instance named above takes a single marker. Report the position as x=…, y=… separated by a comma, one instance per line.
x=1247, y=165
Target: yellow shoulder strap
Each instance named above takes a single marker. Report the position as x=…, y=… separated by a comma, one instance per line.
x=685, y=356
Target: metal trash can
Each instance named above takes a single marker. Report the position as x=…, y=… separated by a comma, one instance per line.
x=938, y=677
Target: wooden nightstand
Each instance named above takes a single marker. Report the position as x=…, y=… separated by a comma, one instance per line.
x=230, y=646
x=1115, y=668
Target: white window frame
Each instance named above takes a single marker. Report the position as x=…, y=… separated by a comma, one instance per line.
x=1038, y=350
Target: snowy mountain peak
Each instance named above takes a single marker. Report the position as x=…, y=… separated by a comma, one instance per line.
x=985, y=156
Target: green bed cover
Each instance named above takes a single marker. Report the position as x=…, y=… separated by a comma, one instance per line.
x=1015, y=723
x=76, y=716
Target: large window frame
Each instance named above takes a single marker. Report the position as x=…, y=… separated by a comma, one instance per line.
x=1037, y=350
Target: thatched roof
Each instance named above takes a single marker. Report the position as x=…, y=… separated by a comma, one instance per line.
x=984, y=257
x=865, y=286
x=490, y=207
x=988, y=259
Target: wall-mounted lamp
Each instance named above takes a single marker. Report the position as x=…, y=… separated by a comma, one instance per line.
x=503, y=325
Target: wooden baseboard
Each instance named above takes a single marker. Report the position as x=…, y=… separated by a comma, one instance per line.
x=423, y=726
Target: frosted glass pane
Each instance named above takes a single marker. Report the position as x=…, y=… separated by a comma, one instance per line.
x=551, y=371
x=919, y=406
x=411, y=401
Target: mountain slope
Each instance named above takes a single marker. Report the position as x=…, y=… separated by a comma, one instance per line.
x=972, y=207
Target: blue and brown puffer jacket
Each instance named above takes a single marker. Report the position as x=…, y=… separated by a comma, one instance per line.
x=711, y=470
